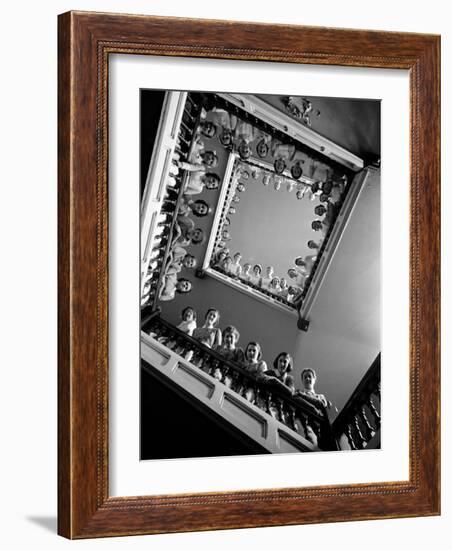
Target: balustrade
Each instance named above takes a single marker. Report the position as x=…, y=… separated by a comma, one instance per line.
x=359, y=421
x=175, y=182
x=263, y=392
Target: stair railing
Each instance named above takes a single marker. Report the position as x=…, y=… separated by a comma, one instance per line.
x=293, y=411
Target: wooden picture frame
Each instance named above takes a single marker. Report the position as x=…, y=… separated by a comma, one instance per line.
x=86, y=40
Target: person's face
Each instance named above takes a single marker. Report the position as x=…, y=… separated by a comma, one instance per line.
x=296, y=171
x=246, y=268
x=189, y=262
x=292, y=273
x=240, y=186
x=316, y=225
x=197, y=236
x=229, y=339
x=184, y=286
x=200, y=208
x=262, y=149
x=235, y=198
x=300, y=195
x=211, y=182
x=283, y=363
x=299, y=262
x=208, y=129
x=237, y=258
x=320, y=210
x=327, y=187
x=257, y=270
x=274, y=282
x=209, y=158
x=226, y=138
x=308, y=380
x=283, y=283
x=279, y=166
x=244, y=150
x=222, y=256
x=266, y=179
x=212, y=317
x=312, y=244
x=189, y=315
x=226, y=235
x=323, y=197
x=252, y=353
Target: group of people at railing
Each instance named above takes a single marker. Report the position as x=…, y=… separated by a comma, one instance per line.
x=300, y=108
x=245, y=372
x=252, y=276
x=225, y=342
x=192, y=170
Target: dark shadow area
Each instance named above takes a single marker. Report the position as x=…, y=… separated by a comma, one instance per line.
x=49, y=523
x=173, y=428
x=151, y=102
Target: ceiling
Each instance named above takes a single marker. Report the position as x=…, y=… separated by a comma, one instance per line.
x=352, y=123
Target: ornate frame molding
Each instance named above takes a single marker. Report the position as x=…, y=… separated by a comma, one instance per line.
x=85, y=42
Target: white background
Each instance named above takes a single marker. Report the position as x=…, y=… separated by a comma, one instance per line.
x=28, y=289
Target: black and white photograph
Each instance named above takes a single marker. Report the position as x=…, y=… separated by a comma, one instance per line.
x=259, y=274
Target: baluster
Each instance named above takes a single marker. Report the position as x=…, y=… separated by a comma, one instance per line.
x=182, y=141
x=181, y=346
x=227, y=375
x=374, y=411
x=267, y=402
x=280, y=408
x=169, y=342
x=315, y=425
x=360, y=437
x=189, y=120
x=215, y=370
x=304, y=424
x=292, y=418
x=157, y=329
x=349, y=435
x=197, y=358
x=185, y=126
x=235, y=381
x=205, y=365
x=370, y=432
x=153, y=330
x=188, y=355
x=247, y=390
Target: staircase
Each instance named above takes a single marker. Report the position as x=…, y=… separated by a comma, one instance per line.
x=274, y=420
